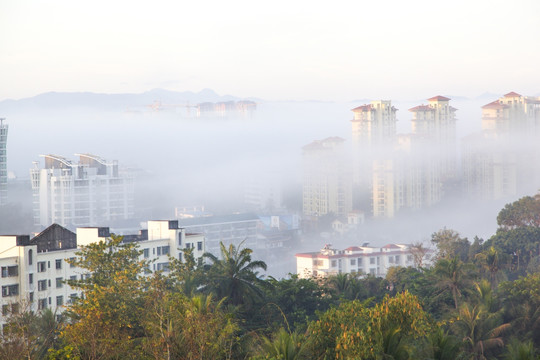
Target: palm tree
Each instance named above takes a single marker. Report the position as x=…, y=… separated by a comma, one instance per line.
x=453, y=276
x=443, y=346
x=517, y=350
x=481, y=331
x=234, y=275
x=284, y=345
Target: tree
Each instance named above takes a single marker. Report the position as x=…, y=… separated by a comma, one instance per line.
x=418, y=252
x=283, y=345
x=105, y=322
x=481, y=331
x=449, y=244
x=520, y=213
x=491, y=260
x=234, y=276
x=453, y=276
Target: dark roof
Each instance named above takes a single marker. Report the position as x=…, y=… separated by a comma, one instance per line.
x=55, y=237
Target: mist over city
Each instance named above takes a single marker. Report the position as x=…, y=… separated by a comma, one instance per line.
x=359, y=156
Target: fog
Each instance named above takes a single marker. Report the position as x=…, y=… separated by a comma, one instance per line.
x=184, y=160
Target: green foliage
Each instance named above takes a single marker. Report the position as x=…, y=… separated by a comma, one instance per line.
x=355, y=331
x=234, y=276
x=105, y=320
x=521, y=213
x=450, y=245
x=283, y=346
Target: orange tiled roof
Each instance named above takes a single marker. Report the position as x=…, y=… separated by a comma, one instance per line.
x=421, y=108
x=494, y=105
x=439, y=98
x=512, y=95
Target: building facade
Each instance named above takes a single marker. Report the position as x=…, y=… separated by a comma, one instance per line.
x=92, y=191
x=3, y=161
x=503, y=160
x=354, y=260
x=34, y=271
x=327, y=182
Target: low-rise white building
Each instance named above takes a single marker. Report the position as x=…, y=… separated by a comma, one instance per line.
x=361, y=260
x=34, y=271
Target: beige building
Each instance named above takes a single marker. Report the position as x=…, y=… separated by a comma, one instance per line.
x=437, y=122
x=326, y=178
x=503, y=160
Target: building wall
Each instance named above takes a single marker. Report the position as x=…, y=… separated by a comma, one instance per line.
x=80, y=194
x=3, y=161
x=327, y=182
x=353, y=260
x=36, y=280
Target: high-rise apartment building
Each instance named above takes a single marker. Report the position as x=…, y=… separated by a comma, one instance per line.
x=3, y=161
x=92, y=191
x=502, y=161
x=374, y=125
x=437, y=122
x=327, y=181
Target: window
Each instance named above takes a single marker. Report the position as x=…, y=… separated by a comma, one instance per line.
x=353, y=262
x=30, y=279
x=334, y=263
x=179, y=238
x=359, y=261
x=199, y=245
x=59, y=300
x=163, y=267
x=42, y=304
x=42, y=285
x=5, y=310
x=48, y=264
x=72, y=298
x=30, y=257
x=397, y=259
x=10, y=290
x=58, y=264
x=163, y=250
x=9, y=271
x=59, y=282
x=391, y=259
x=188, y=245
x=41, y=266
x=372, y=260
x=31, y=297
x=409, y=258
x=73, y=278
x=180, y=256
x=372, y=271
x=71, y=260
x=146, y=253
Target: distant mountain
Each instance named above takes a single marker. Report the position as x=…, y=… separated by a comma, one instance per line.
x=115, y=101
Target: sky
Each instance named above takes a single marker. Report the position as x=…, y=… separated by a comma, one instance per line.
x=275, y=50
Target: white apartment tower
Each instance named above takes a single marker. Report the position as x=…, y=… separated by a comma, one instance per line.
x=92, y=191
x=3, y=161
x=327, y=183
x=35, y=270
